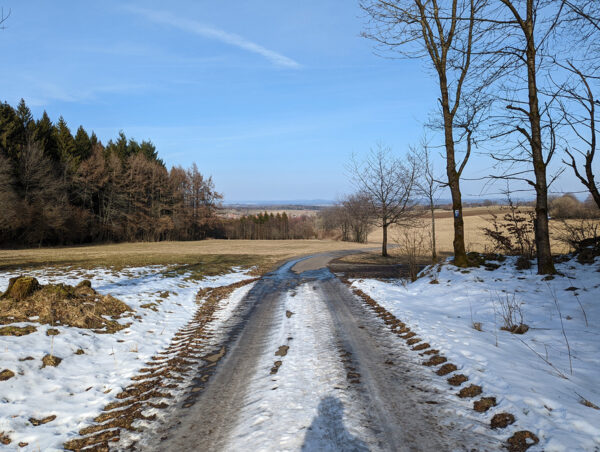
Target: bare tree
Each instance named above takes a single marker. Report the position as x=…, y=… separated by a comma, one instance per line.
x=585, y=99
x=3, y=18
x=444, y=31
x=427, y=186
x=359, y=216
x=520, y=48
x=389, y=185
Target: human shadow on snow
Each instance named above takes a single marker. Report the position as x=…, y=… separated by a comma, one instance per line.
x=327, y=431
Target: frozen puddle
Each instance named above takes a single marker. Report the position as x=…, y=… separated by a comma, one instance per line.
x=78, y=389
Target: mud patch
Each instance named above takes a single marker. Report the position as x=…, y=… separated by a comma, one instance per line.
x=470, y=391
x=446, y=369
x=484, y=404
x=6, y=374
x=35, y=422
x=352, y=374
x=457, y=380
x=17, y=330
x=282, y=351
x=5, y=439
x=276, y=366
x=435, y=361
x=521, y=441
x=502, y=420
x=51, y=360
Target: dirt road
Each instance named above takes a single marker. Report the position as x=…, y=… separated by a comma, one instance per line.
x=306, y=367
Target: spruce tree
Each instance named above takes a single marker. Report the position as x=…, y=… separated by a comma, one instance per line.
x=83, y=144
x=9, y=131
x=26, y=124
x=66, y=143
x=44, y=134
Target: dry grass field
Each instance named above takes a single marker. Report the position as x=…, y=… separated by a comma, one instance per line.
x=214, y=255
x=475, y=218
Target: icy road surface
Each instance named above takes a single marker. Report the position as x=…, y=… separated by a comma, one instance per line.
x=307, y=367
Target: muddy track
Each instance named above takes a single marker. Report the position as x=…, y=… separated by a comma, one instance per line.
x=402, y=413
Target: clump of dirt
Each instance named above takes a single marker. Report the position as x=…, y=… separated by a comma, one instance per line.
x=446, y=369
x=282, y=351
x=80, y=306
x=80, y=352
x=35, y=422
x=288, y=314
x=484, y=404
x=502, y=420
x=516, y=329
x=17, y=330
x=52, y=332
x=23, y=444
x=51, y=360
x=435, y=361
x=422, y=346
x=276, y=366
x=6, y=374
x=457, y=380
x=413, y=341
x=521, y=441
x=21, y=287
x=470, y=391
x=5, y=439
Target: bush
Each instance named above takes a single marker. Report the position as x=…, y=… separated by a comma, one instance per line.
x=568, y=207
x=513, y=234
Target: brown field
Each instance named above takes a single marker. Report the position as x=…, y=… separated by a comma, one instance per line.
x=475, y=218
x=214, y=255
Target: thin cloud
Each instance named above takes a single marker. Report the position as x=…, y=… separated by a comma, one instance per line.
x=190, y=26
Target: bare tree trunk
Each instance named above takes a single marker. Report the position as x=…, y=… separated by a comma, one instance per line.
x=384, y=252
x=433, y=244
x=460, y=254
x=542, y=230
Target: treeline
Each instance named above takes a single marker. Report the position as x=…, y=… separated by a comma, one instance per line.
x=269, y=226
x=57, y=188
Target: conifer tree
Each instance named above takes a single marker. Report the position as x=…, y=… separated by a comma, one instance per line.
x=65, y=141
x=83, y=144
x=44, y=135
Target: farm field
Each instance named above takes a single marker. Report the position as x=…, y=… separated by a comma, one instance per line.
x=475, y=218
x=214, y=255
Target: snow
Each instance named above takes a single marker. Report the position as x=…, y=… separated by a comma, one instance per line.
x=78, y=389
x=306, y=404
x=529, y=374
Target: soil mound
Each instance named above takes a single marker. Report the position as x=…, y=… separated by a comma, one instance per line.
x=60, y=304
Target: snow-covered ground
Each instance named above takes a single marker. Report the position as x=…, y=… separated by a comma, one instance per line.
x=77, y=390
x=306, y=404
x=530, y=374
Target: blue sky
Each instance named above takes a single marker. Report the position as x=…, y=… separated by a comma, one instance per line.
x=269, y=97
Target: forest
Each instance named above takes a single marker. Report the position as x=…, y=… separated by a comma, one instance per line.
x=59, y=188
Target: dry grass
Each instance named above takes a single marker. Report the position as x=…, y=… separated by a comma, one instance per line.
x=60, y=304
x=209, y=256
x=475, y=219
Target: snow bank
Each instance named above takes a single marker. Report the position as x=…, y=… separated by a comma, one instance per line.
x=530, y=374
x=78, y=389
